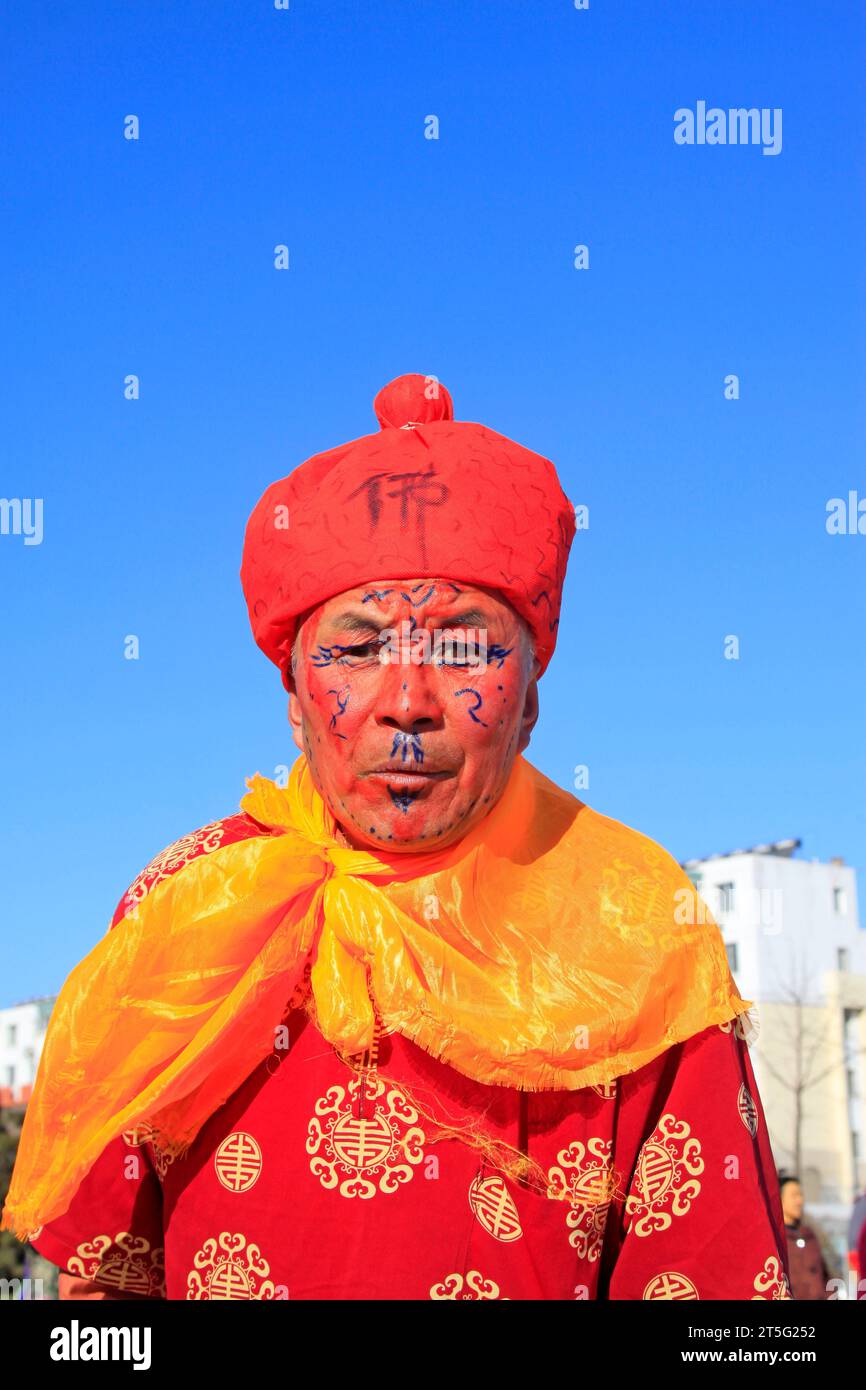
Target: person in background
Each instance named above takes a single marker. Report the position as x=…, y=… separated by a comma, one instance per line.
x=808, y=1269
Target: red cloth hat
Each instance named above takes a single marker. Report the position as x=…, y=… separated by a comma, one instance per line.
x=426, y=497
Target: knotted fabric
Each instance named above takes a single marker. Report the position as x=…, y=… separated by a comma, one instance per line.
x=551, y=948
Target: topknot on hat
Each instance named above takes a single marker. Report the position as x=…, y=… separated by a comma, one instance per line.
x=412, y=400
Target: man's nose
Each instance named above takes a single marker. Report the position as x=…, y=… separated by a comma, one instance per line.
x=408, y=700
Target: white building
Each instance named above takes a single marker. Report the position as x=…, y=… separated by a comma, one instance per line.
x=22, y=1033
x=796, y=948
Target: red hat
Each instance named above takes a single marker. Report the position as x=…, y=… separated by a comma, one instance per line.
x=426, y=497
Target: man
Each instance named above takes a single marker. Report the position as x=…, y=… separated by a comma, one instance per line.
x=418, y=1024
x=808, y=1272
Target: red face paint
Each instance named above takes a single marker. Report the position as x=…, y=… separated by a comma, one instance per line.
x=411, y=754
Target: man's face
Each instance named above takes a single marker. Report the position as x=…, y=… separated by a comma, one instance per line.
x=792, y=1201
x=411, y=754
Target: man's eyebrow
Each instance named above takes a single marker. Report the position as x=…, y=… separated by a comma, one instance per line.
x=355, y=622
x=471, y=617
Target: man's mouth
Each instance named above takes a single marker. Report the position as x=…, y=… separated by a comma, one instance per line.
x=406, y=779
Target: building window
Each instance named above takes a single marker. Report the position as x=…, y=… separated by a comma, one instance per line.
x=840, y=902
x=696, y=879
x=726, y=897
x=841, y=958
x=10, y=1077
x=11, y=1034
x=731, y=949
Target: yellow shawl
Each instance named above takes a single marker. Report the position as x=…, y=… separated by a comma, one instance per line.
x=551, y=948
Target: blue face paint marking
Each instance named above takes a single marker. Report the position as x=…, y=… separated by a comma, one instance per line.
x=478, y=703
x=416, y=603
x=325, y=656
x=406, y=741
x=497, y=653
x=342, y=703
x=377, y=594
x=402, y=800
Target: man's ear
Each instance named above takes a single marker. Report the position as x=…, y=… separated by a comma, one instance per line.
x=529, y=718
x=296, y=719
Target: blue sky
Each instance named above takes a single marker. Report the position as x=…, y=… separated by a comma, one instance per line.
x=452, y=257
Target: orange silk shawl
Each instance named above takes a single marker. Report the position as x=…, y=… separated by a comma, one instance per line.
x=551, y=948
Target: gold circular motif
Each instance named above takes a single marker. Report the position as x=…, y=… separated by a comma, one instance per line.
x=121, y=1273
x=747, y=1110
x=362, y=1143
x=582, y=1176
x=656, y=1171
x=671, y=1284
x=229, y=1267
x=238, y=1161
x=229, y=1280
x=364, y=1138
x=494, y=1208
x=124, y=1261
x=665, y=1178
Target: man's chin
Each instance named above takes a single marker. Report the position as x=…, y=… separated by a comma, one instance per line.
x=422, y=831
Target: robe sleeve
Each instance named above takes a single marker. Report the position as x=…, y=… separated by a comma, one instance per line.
x=111, y=1236
x=695, y=1210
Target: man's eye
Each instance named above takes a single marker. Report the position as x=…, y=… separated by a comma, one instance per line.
x=361, y=651
x=462, y=654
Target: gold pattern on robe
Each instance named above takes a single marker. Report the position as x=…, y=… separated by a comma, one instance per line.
x=208, y=838
x=138, y=1135
x=474, y=1286
x=363, y=1138
x=747, y=1110
x=124, y=1262
x=665, y=1180
x=162, y=1161
x=670, y=1284
x=772, y=1282
x=582, y=1176
x=607, y=1090
x=230, y=1267
x=238, y=1161
x=495, y=1208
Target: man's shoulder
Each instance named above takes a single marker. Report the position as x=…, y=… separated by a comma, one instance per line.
x=603, y=840
x=216, y=835
x=620, y=843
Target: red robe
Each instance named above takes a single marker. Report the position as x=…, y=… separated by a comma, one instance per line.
x=323, y=1180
